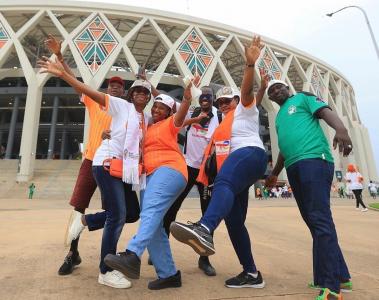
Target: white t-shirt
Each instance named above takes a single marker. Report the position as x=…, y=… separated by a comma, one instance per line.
x=119, y=110
x=354, y=183
x=198, y=138
x=373, y=188
x=245, y=128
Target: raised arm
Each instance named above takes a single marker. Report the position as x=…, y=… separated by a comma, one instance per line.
x=265, y=78
x=251, y=54
x=341, y=137
x=55, y=47
x=57, y=69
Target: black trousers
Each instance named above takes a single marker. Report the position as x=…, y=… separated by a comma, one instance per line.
x=358, y=198
x=173, y=211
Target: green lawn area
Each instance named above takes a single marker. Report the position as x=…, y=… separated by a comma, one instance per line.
x=374, y=205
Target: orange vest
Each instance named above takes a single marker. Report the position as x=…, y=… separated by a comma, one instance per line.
x=221, y=143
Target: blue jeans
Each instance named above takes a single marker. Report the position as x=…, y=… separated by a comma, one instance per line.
x=230, y=196
x=114, y=193
x=162, y=188
x=311, y=180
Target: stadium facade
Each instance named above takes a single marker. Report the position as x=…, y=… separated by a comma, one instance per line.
x=42, y=118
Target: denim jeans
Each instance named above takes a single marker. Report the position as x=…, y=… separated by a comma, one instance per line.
x=230, y=196
x=311, y=180
x=114, y=193
x=162, y=188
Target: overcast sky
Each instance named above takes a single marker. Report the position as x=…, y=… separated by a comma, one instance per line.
x=342, y=41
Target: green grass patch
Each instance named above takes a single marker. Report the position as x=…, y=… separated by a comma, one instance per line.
x=374, y=205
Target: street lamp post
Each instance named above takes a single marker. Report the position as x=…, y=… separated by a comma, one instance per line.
x=367, y=22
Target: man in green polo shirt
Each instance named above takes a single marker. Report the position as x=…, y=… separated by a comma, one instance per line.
x=306, y=155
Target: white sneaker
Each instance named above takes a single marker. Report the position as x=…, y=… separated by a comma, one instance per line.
x=74, y=227
x=364, y=209
x=357, y=208
x=114, y=279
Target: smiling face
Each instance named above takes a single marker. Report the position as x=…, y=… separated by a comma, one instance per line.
x=278, y=93
x=226, y=104
x=140, y=96
x=160, y=111
x=205, y=104
x=115, y=89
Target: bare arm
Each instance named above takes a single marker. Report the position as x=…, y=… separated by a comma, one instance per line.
x=195, y=119
x=55, y=47
x=265, y=78
x=57, y=69
x=184, y=106
x=251, y=54
x=341, y=137
x=273, y=177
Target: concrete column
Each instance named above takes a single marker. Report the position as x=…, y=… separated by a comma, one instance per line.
x=2, y=122
x=370, y=155
x=12, y=128
x=64, y=135
x=29, y=132
x=54, y=117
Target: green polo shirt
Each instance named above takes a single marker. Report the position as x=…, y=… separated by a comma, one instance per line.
x=300, y=135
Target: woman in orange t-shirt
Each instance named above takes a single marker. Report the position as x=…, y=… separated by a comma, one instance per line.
x=166, y=172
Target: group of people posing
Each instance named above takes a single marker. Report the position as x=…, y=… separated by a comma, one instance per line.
x=223, y=156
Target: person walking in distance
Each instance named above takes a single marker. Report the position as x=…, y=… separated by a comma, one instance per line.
x=355, y=181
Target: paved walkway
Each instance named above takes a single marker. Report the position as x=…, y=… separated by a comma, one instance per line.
x=31, y=251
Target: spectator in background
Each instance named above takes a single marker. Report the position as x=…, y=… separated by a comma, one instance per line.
x=355, y=180
x=373, y=189
x=32, y=187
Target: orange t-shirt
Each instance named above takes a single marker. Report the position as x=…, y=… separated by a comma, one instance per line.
x=161, y=148
x=99, y=121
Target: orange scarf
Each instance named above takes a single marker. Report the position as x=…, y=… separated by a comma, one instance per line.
x=221, y=143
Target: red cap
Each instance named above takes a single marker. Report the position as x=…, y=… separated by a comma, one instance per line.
x=116, y=79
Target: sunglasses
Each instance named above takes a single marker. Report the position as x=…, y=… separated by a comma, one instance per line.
x=223, y=101
x=205, y=97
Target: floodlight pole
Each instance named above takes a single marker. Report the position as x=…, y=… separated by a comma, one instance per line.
x=367, y=22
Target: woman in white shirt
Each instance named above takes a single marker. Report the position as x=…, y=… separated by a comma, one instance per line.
x=241, y=161
x=128, y=126
x=354, y=180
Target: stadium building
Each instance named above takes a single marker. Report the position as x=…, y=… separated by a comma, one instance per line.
x=41, y=117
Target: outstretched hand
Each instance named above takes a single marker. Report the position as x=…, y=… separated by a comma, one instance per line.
x=253, y=51
x=49, y=66
x=265, y=79
x=53, y=44
x=271, y=181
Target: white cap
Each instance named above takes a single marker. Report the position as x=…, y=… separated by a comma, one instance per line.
x=138, y=83
x=165, y=99
x=236, y=92
x=225, y=92
x=275, y=81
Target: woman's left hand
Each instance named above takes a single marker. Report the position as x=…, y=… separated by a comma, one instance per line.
x=253, y=51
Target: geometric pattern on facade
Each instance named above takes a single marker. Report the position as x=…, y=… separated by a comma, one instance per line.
x=4, y=37
x=95, y=43
x=317, y=83
x=195, y=53
x=269, y=65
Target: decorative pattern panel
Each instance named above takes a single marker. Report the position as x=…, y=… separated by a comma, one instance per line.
x=95, y=43
x=4, y=37
x=195, y=53
x=269, y=65
x=317, y=83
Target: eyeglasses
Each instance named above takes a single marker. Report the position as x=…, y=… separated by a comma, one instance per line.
x=205, y=97
x=222, y=101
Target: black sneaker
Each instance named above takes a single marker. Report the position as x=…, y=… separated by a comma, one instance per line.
x=173, y=281
x=128, y=263
x=205, y=265
x=70, y=261
x=194, y=235
x=245, y=280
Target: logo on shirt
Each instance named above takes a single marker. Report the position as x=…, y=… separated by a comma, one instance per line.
x=291, y=109
x=222, y=147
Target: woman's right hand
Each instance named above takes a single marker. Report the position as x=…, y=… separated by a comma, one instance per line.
x=53, y=67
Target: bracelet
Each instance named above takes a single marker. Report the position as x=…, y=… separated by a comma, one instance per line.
x=251, y=65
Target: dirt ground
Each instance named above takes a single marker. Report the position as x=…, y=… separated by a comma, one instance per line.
x=31, y=251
